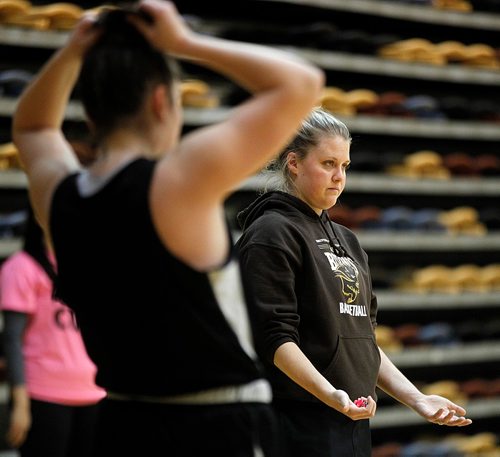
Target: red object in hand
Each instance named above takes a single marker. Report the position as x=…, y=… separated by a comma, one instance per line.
x=360, y=403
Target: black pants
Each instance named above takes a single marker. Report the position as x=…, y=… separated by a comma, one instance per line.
x=133, y=428
x=315, y=430
x=60, y=431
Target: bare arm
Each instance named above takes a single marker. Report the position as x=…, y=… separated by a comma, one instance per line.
x=284, y=89
x=209, y=163
x=20, y=416
x=36, y=129
x=192, y=182
x=292, y=361
x=434, y=408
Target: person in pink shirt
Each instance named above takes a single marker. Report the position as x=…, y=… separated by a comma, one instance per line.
x=54, y=400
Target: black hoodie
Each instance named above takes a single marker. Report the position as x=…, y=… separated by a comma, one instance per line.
x=311, y=285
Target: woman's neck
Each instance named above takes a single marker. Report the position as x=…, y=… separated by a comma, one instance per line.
x=113, y=153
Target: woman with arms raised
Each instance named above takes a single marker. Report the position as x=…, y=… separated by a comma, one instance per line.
x=143, y=252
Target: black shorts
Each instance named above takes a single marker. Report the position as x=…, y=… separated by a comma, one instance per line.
x=315, y=430
x=60, y=430
x=133, y=428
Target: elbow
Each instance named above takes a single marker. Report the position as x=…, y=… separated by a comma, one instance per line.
x=277, y=347
x=308, y=87
x=18, y=130
x=15, y=129
x=319, y=81
x=16, y=136
x=315, y=81
x=19, y=124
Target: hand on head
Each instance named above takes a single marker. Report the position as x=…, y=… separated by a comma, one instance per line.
x=84, y=35
x=167, y=30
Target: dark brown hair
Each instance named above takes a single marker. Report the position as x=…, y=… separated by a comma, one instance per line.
x=118, y=71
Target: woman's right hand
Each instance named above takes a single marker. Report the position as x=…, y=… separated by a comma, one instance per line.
x=340, y=401
x=168, y=31
x=84, y=35
x=19, y=425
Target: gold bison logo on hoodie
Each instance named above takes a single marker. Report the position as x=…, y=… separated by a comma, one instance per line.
x=345, y=269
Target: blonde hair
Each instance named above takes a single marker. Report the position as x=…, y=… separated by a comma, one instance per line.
x=316, y=126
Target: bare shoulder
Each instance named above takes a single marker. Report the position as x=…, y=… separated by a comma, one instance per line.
x=192, y=229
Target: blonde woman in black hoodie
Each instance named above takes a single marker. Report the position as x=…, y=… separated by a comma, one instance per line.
x=315, y=310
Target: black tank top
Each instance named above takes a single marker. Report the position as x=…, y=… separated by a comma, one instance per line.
x=151, y=324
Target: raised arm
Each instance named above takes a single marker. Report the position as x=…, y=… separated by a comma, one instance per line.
x=284, y=89
x=191, y=184
x=36, y=128
x=195, y=178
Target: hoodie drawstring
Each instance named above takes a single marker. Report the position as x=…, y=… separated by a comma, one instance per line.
x=337, y=247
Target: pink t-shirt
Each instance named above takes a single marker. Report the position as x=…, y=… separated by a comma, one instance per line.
x=57, y=367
